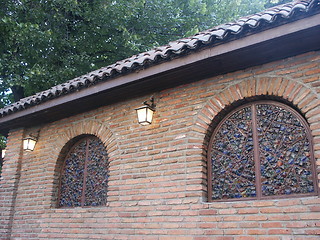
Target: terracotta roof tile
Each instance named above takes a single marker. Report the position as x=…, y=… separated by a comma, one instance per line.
x=175, y=48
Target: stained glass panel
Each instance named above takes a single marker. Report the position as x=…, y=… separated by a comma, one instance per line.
x=232, y=158
x=279, y=162
x=85, y=175
x=284, y=152
x=72, y=176
x=97, y=174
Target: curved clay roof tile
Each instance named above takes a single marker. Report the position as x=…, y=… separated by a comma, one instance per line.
x=175, y=47
x=252, y=22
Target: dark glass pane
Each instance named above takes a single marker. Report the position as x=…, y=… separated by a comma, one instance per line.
x=72, y=176
x=97, y=174
x=284, y=152
x=232, y=161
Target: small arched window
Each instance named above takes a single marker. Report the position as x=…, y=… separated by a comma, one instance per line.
x=261, y=150
x=84, y=177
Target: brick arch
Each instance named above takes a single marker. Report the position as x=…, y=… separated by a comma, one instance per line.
x=298, y=94
x=90, y=128
x=66, y=140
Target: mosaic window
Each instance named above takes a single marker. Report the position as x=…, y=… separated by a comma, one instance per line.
x=84, y=178
x=261, y=150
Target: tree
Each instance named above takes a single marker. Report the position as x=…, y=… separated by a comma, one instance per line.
x=48, y=42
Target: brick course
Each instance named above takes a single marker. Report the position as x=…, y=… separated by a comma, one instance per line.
x=157, y=184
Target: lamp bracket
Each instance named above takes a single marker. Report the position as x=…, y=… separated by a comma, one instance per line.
x=33, y=133
x=150, y=103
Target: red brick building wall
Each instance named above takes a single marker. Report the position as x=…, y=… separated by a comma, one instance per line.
x=157, y=184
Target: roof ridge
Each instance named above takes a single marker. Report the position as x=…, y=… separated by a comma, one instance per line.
x=162, y=53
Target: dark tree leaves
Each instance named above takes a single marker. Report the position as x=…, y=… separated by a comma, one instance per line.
x=47, y=42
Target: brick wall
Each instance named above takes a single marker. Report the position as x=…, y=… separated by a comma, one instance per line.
x=157, y=183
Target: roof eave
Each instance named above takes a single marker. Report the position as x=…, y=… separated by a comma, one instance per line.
x=161, y=73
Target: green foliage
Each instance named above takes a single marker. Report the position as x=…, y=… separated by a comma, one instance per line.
x=3, y=141
x=47, y=42
x=271, y=3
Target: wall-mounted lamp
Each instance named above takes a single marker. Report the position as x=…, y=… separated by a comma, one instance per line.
x=29, y=143
x=145, y=113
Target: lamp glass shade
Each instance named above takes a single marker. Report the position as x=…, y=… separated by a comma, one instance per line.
x=3, y=153
x=145, y=115
x=29, y=143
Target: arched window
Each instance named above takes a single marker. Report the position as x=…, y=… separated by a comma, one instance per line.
x=84, y=177
x=261, y=150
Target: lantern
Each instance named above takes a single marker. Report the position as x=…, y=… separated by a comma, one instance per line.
x=29, y=143
x=145, y=113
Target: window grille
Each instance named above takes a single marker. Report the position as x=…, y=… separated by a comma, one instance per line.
x=261, y=150
x=84, y=177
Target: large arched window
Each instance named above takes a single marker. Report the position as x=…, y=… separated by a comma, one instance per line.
x=261, y=150
x=84, y=177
